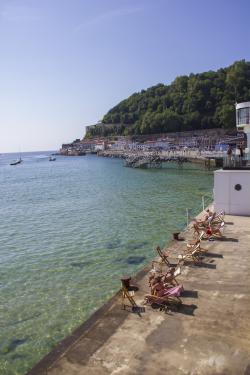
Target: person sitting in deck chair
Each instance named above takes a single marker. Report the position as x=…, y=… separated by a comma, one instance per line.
x=169, y=278
x=160, y=288
x=165, y=296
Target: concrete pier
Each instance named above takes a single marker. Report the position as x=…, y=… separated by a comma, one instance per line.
x=208, y=335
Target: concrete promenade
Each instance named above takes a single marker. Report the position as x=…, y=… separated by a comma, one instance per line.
x=209, y=334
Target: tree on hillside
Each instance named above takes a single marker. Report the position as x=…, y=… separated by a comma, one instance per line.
x=197, y=101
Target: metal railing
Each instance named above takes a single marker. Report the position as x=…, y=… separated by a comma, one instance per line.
x=236, y=162
x=205, y=201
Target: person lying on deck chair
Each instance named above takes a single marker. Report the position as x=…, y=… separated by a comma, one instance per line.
x=158, y=286
x=160, y=289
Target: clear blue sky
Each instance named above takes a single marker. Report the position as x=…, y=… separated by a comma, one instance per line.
x=65, y=63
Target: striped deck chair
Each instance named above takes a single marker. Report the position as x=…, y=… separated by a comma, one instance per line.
x=168, y=296
x=168, y=278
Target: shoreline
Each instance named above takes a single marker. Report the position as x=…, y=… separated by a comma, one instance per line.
x=189, y=156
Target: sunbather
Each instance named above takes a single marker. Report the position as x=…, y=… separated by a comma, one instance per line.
x=168, y=279
x=162, y=283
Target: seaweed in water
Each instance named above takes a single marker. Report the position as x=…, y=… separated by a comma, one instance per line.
x=12, y=345
x=135, y=259
x=135, y=246
x=113, y=245
x=79, y=265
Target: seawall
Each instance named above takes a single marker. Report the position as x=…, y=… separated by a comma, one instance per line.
x=208, y=334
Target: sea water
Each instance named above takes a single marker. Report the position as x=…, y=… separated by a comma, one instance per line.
x=69, y=230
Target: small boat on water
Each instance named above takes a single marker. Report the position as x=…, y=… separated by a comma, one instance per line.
x=18, y=161
x=52, y=158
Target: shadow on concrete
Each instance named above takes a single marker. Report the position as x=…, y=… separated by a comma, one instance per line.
x=135, y=309
x=203, y=265
x=213, y=255
x=190, y=293
x=175, y=308
x=226, y=239
x=229, y=223
x=182, y=309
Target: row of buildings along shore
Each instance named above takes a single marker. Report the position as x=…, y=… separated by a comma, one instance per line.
x=211, y=139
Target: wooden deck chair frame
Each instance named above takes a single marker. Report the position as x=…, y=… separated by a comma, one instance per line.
x=219, y=218
x=162, y=301
x=176, y=273
x=192, y=256
x=127, y=296
x=196, y=244
x=164, y=257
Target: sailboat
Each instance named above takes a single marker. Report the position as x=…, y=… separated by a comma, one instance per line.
x=18, y=161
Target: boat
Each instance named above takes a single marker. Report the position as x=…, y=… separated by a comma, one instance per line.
x=52, y=158
x=18, y=161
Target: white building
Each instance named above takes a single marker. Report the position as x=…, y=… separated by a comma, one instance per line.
x=243, y=119
x=100, y=146
x=232, y=184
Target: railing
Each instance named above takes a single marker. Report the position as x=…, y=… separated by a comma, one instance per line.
x=205, y=201
x=236, y=162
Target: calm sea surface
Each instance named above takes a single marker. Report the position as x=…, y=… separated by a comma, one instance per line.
x=69, y=230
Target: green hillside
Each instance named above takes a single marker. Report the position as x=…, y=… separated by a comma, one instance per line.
x=198, y=101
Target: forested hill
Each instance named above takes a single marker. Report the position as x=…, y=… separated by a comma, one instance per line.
x=198, y=101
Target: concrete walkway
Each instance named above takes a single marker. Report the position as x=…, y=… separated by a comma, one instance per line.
x=209, y=334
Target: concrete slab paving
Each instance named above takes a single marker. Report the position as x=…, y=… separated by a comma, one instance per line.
x=208, y=335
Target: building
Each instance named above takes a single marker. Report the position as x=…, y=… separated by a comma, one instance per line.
x=243, y=119
x=232, y=183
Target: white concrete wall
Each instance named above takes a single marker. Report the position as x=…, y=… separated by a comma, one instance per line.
x=226, y=197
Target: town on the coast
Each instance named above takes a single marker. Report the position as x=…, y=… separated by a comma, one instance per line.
x=194, y=116
x=150, y=151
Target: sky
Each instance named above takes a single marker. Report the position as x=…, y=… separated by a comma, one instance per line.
x=65, y=63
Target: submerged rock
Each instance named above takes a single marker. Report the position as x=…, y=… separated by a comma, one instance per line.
x=138, y=245
x=135, y=259
x=79, y=264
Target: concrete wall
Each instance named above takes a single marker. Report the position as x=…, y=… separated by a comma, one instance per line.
x=226, y=195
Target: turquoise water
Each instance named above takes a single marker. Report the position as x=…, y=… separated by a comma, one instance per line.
x=69, y=230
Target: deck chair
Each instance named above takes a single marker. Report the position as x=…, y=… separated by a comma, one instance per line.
x=217, y=231
x=193, y=256
x=196, y=244
x=205, y=222
x=163, y=255
x=168, y=278
x=128, y=295
x=219, y=218
x=171, y=296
